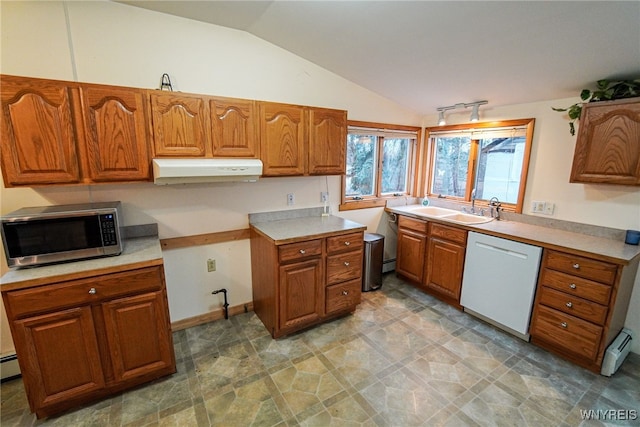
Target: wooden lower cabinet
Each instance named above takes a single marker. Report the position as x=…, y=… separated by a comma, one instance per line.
x=134, y=351
x=431, y=256
x=411, y=248
x=84, y=339
x=62, y=360
x=300, y=284
x=580, y=306
x=301, y=293
x=445, y=262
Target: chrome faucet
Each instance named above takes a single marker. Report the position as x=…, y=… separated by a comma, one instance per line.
x=495, y=206
x=473, y=201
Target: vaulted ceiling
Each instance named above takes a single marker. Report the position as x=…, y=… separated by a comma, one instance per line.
x=426, y=54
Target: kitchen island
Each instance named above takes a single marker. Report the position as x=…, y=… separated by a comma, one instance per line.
x=306, y=268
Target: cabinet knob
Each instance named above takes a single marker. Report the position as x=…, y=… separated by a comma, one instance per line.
x=92, y=291
x=345, y=293
x=347, y=243
x=576, y=266
x=572, y=286
x=569, y=304
x=563, y=324
x=302, y=251
x=346, y=264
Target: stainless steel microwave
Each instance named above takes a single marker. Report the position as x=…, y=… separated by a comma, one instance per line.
x=47, y=234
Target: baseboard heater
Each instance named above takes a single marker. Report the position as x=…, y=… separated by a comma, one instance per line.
x=388, y=265
x=617, y=352
x=9, y=368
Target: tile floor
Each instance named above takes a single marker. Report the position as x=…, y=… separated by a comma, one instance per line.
x=402, y=359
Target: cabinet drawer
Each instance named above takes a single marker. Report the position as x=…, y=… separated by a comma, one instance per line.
x=568, y=332
x=84, y=291
x=570, y=304
x=343, y=296
x=577, y=286
x=351, y=241
x=294, y=251
x=449, y=233
x=588, y=268
x=344, y=266
x=412, y=224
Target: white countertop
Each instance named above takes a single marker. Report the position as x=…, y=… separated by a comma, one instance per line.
x=613, y=250
x=307, y=227
x=136, y=251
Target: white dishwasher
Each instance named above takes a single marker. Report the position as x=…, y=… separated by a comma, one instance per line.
x=499, y=281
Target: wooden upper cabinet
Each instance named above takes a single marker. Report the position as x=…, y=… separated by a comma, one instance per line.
x=234, y=127
x=282, y=139
x=327, y=141
x=608, y=144
x=180, y=125
x=115, y=132
x=38, y=138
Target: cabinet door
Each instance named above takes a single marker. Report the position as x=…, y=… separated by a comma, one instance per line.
x=282, y=139
x=59, y=356
x=301, y=293
x=180, y=125
x=445, y=261
x=38, y=137
x=234, y=127
x=608, y=144
x=138, y=335
x=327, y=141
x=411, y=254
x=115, y=133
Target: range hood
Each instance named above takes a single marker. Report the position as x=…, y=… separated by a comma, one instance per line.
x=185, y=171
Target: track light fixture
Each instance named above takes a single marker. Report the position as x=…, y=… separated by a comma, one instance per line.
x=475, y=112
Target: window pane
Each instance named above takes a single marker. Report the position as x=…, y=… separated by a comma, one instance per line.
x=451, y=166
x=395, y=165
x=361, y=165
x=499, y=168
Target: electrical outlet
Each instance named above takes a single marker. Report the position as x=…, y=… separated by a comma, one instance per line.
x=290, y=199
x=537, y=207
x=324, y=196
x=211, y=265
x=548, y=208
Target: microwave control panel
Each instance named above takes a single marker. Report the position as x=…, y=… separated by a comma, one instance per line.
x=109, y=229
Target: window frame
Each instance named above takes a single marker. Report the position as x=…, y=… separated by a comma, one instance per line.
x=379, y=199
x=473, y=156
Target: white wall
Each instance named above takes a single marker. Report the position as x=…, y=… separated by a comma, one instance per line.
x=116, y=44
x=111, y=43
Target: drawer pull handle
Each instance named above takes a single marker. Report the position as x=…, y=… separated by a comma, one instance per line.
x=569, y=304
x=572, y=286
x=563, y=324
x=346, y=264
x=347, y=243
x=92, y=291
x=302, y=251
x=345, y=293
x=576, y=266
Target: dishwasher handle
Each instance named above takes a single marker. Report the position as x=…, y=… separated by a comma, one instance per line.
x=501, y=250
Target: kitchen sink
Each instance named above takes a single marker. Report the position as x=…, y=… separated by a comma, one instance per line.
x=449, y=214
x=433, y=211
x=463, y=218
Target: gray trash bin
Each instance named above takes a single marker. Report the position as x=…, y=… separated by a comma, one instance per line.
x=372, y=269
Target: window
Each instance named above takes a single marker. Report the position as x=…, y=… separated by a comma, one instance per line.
x=481, y=161
x=379, y=163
